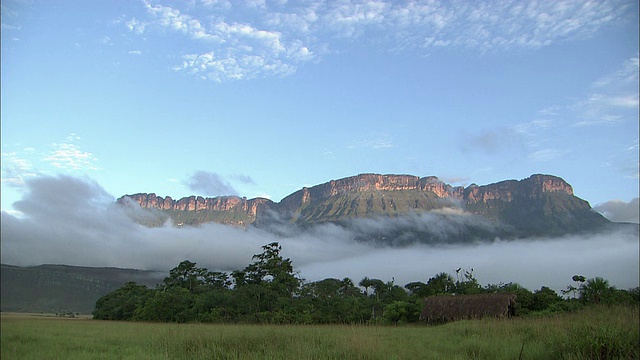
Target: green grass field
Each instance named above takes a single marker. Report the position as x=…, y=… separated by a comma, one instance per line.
x=596, y=333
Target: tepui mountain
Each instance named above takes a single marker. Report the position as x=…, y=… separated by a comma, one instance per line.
x=540, y=205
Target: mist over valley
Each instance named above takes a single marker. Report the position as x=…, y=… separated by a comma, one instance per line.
x=74, y=221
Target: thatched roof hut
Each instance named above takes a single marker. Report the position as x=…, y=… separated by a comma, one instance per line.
x=455, y=307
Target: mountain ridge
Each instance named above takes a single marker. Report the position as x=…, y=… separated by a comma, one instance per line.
x=538, y=205
x=357, y=183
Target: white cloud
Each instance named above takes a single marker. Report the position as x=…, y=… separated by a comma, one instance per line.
x=626, y=161
x=547, y=154
x=373, y=142
x=626, y=75
x=491, y=25
x=106, y=40
x=236, y=50
x=274, y=38
x=620, y=211
x=614, y=98
x=610, y=101
x=211, y=67
x=10, y=27
x=210, y=184
x=173, y=19
x=16, y=169
x=135, y=52
x=351, y=19
x=224, y=4
x=67, y=155
x=135, y=26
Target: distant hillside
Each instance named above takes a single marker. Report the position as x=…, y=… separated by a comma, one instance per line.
x=54, y=288
x=540, y=205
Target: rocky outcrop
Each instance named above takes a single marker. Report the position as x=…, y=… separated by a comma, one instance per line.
x=532, y=187
x=197, y=203
x=366, y=183
x=231, y=210
x=529, y=203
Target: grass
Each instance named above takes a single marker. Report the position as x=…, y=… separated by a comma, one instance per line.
x=593, y=333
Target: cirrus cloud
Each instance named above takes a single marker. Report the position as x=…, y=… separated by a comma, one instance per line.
x=232, y=41
x=67, y=155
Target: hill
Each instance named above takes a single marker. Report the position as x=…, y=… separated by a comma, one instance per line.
x=58, y=288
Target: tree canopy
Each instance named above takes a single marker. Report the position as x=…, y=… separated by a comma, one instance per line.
x=269, y=291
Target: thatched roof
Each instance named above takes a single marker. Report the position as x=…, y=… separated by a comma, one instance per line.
x=455, y=307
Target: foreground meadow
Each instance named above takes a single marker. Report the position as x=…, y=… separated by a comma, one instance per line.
x=596, y=332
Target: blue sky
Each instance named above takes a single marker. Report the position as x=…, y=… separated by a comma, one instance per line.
x=261, y=98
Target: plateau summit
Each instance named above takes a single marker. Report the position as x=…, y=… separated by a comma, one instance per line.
x=540, y=205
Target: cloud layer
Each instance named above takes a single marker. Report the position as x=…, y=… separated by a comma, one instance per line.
x=620, y=211
x=242, y=40
x=73, y=221
x=210, y=184
x=67, y=155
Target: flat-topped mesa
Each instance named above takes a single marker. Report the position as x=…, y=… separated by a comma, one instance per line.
x=197, y=203
x=365, y=182
x=537, y=205
x=531, y=187
x=371, y=182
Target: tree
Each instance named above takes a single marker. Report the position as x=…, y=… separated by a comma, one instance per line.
x=348, y=289
x=192, y=278
x=394, y=293
x=326, y=289
x=571, y=289
x=544, y=299
x=417, y=289
x=334, y=301
x=440, y=284
x=379, y=288
x=121, y=303
x=271, y=269
x=468, y=284
x=366, y=283
x=397, y=311
x=169, y=305
x=596, y=291
x=269, y=283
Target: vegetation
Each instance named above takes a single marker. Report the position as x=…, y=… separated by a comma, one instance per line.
x=268, y=291
x=596, y=321
x=594, y=332
x=61, y=288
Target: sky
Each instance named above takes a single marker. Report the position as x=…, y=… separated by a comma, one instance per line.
x=260, y=98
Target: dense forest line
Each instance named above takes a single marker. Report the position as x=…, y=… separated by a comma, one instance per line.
x=269, y=291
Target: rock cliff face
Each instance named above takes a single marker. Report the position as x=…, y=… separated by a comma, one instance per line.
x=534, y=203
x=367, y=183
x=532, y=187
x=229, y=209
x=198, y=203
